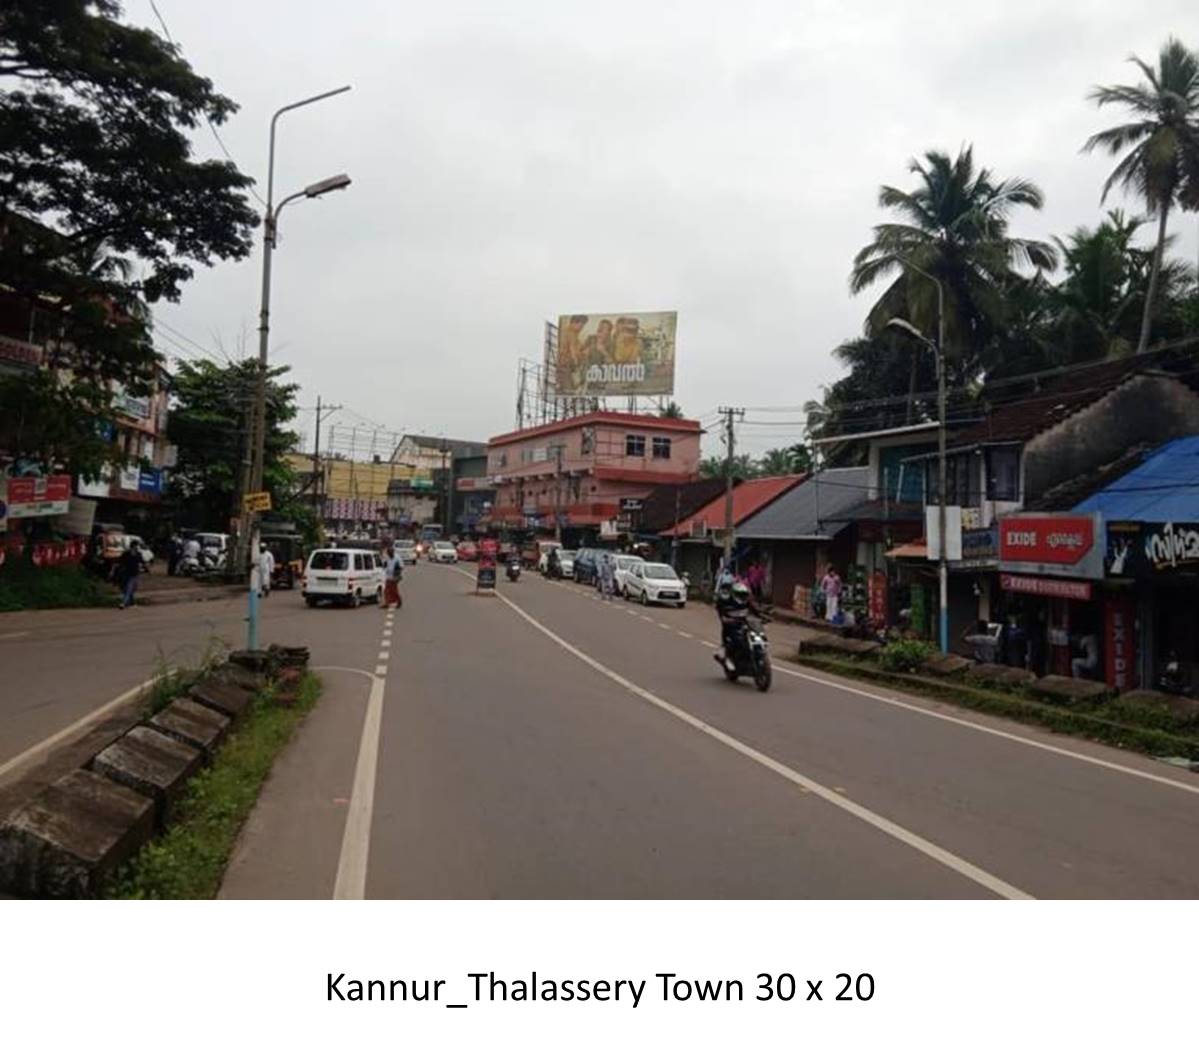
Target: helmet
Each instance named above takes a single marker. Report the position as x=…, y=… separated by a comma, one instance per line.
x=740, y=593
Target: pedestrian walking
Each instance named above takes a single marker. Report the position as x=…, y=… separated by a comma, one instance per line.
x=129, y=567
x=393, y=573
x=174, y=553
x=831, y=586
x=266, y=570
x=607, y=577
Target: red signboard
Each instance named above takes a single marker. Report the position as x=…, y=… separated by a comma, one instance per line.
x=1045, y=587
x=1119, y=648
x=1047, y=539
x=877, y=589
x=31, y=496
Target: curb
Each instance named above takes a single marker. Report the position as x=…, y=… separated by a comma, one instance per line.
x=70, y=837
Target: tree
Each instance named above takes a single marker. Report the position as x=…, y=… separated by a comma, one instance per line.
x=208, y=426
x=1160, y=146
x=789, y=460
x=102, y=208
x=671, y=410
x=744, y=467
x=955, y=229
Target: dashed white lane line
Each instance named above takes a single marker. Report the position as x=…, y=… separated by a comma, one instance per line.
x=385, y=643
x=665, y=626
x=942, y=856
x=683, y=633
x=384, y=656
x=380, y=671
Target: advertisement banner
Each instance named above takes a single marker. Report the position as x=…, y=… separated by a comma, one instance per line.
x=616, y=354
x=14, y=351
x=32, y=496
x=1119, y=649
x=1053, y=544
x=128, y=478
x=1140, y=549
x=1071, y=589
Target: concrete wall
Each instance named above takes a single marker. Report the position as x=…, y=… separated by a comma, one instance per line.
x=1146, y=409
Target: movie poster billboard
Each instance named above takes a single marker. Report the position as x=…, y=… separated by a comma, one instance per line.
x=616, y=354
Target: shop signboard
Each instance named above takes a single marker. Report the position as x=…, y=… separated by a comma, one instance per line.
x=1141, y=549
x=1119, y=649
x=33, y=496
x=25, y=354
x=1052, y=545
x=149, y=480
x=877, y=590
x=616, y=354
x=128, y=478
x=1074, y=590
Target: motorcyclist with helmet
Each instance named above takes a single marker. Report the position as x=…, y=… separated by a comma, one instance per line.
x=734, y=606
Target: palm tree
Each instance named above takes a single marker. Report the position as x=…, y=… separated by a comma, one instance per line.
x=779, y=461
x=670, y=410
x=1161, y=145
x=955, y=229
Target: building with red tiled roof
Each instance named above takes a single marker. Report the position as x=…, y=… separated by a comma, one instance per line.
x=749, y=497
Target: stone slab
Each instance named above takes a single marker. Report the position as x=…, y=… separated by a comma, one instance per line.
x=192, y=724
x=1179, y=706
x=70, y=837
x=256, y=660
x=151, y=763
x=224, y=698
x=228, y=673
x=946, y=665
x=1068, y=689
x=818, y=641
x=1005, y=676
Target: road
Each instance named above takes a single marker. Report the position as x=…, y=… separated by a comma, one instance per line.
x=542, y=743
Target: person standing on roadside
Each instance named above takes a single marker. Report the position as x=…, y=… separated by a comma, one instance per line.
x=831, y=586
x=129, y=567
x=266, y=569
x=607, y=576
x=393, y=572
x=174, y=553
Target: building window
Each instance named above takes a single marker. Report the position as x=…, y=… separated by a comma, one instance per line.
x=662, y=448
x=1003, y=473
x=634, y=446
x=504, y=459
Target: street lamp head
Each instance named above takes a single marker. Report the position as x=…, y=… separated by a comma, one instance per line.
x=903, y=325
x=333, y=183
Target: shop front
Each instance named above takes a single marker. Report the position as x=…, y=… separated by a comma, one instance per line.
x=1051, y=600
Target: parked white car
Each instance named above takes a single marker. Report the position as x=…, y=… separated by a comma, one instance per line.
x=622, y=564
x=567, y=560
x=443, y=551
x=345, y=575
x=655, y=583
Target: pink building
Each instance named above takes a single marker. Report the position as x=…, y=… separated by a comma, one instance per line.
x=587, y=470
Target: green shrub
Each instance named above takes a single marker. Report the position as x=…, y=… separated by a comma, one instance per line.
x=27, y=586
x=904, y=656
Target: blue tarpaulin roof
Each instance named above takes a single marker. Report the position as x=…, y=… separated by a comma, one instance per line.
x=1163, y=488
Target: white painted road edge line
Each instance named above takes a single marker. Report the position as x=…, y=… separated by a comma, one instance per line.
x=937, y=853
x=987, y=729
x=44, y=747
x=350, y=883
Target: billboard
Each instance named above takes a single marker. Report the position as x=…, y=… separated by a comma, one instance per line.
x=616, y=354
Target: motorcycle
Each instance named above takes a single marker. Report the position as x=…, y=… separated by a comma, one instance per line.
x=749, y=655
x=1172, y=681
x=512, y=570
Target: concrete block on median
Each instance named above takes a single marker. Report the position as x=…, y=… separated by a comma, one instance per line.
x=151, y=763
x=946, y=665
x=1004, y=676
x=1069, y=689
x=229, y=699
x=192, y=724
x=1178, y=706
x=817, y=641
x=69, y=838
x=230, y=673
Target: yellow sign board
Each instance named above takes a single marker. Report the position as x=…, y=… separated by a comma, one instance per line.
x=257, y=501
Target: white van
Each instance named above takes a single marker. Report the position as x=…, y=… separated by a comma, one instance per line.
x=348, y=575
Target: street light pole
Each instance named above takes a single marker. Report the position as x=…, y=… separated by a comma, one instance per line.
x=269, y=238
x=938, y=349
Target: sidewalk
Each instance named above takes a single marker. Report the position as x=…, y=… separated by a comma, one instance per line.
x=157, y=588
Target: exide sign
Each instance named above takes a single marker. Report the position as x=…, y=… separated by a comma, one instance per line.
x=1050, y=543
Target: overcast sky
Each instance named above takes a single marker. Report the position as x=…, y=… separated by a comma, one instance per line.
x=515, y=161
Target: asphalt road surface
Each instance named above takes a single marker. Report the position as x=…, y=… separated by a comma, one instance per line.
x=542, y=743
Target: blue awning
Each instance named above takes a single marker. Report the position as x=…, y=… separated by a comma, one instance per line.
x=1163, y=488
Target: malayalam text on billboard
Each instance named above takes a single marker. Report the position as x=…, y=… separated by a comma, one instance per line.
x=616, y=354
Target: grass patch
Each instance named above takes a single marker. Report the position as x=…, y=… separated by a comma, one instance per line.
x=172, y=681
x=188, y=860
x=1123, y=725
x=27, y=586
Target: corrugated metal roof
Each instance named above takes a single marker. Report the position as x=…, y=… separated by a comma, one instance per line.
x=805, y=511
x=1165, y=488
x=748, y=498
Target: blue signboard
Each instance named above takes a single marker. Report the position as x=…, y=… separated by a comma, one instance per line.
x=149, y=480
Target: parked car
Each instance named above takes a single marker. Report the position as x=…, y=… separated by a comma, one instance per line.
x=655, y=583
x=215, y=545
x=443, y=551
x=567, y=561
x=343, y=575
x=406, y=552
x=586, y=565
x=623, y=563
x=468, y=551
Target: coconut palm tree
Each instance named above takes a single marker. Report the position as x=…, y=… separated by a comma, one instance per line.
x=954, y=227
x=1160, y=146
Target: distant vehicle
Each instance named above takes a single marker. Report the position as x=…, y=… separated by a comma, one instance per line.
x=344, y=575
x=566, y=559
x=586, y=565
x=406, y=551
x=468, y=551
x=655, y=583
x=622, y=564
x=288, y=552
x=543, y=548
x=215, y=545
x=506, y=550
x=443, y=551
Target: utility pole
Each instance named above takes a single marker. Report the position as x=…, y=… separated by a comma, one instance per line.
x=318, y=471
x=730, y=415
x=558, y=448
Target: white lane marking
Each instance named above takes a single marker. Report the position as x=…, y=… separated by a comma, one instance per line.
x=664, y=626
x=986, y=729
x=683, y=633
x=350, y=883
x=46, y=745
x=380, y=670
x=384, y=656
x=931, y=850
x=14, y=635
x=631, y=612
x=385, y=643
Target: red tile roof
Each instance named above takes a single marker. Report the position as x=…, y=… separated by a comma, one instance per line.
x=748, y=498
